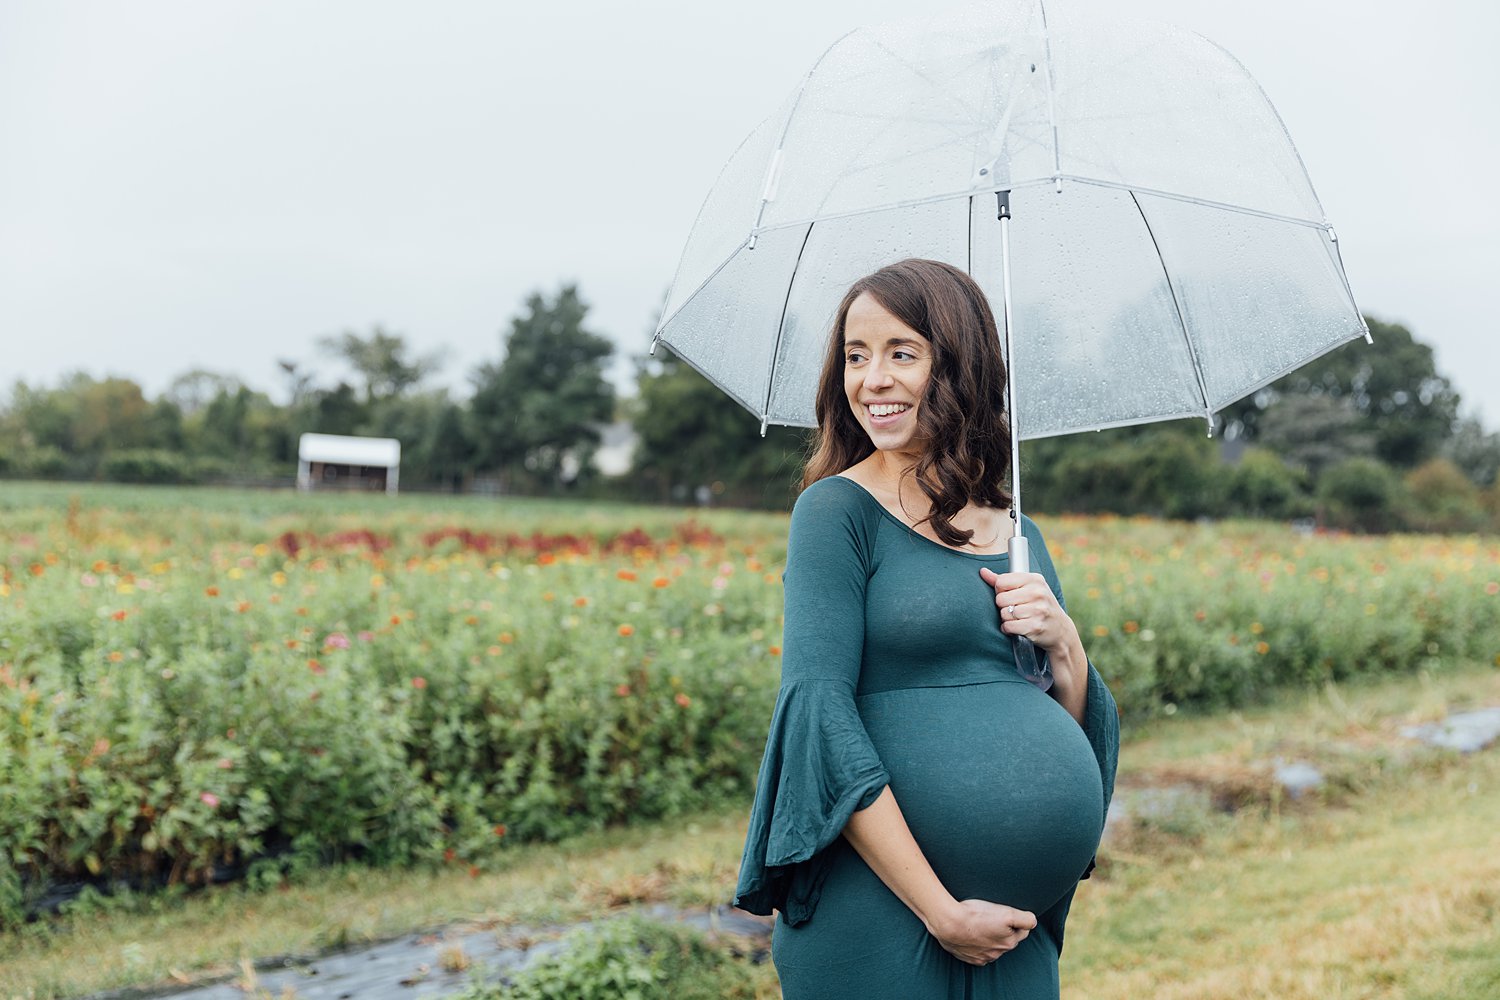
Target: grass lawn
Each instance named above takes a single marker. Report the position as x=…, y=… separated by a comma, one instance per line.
x=1387, y=884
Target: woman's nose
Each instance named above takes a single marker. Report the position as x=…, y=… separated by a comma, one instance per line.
x=877, y=376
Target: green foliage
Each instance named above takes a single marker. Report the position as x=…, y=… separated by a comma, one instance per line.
x=1392, y=384
x=691, y=435
x=1362, y=494
x=1474, y=451
x=545, y=401
x=1262, y=485
x=1167, y=470
x=145, y=465
x=381, y=361
x=1444, y=499
x=631, y=958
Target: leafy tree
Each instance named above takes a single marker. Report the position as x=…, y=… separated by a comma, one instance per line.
x=381, y=361
x=538, y=411
x=1474, y=451
x=1393, y=384
x=1315, y=432
x=691, y=435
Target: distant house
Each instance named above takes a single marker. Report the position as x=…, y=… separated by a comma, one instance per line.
x=337, y=461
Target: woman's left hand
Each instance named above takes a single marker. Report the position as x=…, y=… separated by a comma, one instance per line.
x=1028, y=607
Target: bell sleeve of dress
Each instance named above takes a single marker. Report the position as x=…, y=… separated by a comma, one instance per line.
x=819, y=766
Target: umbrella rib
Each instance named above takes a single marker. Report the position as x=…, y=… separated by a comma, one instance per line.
x=765, y=412
x=1166, y=274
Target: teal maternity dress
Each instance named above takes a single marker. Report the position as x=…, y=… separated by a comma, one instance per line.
x=895, y=671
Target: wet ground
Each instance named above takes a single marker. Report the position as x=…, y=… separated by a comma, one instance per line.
x=428, y=966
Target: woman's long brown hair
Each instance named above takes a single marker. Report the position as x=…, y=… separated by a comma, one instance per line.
x=962, y=416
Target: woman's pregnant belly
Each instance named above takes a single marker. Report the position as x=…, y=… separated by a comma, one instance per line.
x=997, y=783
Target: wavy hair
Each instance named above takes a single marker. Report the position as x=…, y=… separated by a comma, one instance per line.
x=962, y=417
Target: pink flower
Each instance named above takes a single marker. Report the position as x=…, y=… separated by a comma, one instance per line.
x=209, y=799
x=366, y=636
x=336, y=640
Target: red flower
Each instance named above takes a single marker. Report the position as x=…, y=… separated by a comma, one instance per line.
x=419, y=683
x=118, y=616
x=683, y=700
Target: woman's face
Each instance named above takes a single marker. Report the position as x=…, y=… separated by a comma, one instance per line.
x=886, y=368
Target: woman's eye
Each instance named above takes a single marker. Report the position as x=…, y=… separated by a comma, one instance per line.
x=853, y=358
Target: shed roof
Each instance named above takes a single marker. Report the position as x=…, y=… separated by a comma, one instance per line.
x=342, y=449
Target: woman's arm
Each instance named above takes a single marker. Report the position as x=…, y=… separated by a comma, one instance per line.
x=973, y=930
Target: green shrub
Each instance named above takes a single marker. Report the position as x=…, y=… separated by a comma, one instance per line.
x=632, y=959
x=145, y=465
x=1363, y=494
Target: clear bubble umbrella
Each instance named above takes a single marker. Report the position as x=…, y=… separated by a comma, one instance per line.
x=1123, y=191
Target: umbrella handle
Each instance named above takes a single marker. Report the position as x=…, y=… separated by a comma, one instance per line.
x=1031, y=663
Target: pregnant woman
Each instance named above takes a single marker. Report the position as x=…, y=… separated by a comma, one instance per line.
x=923, y=813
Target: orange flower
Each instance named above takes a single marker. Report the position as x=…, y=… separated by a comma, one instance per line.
x=660, y=582
x=774, y=650
x=1101, y=630
x=548, y=596
x=291, y=643
x=316, y=667
x=500, y=830
x=506, y=638
x=395, y=619
x=471, y=620
x=242, y=607
x=211, y=591
x=37, y=569
x=473, y=871
x=683, y=700
x=100, y=565
x=546, y=559
x=623, y=690
x=1200, y=614
x=118, y=616
x=626, y=575
x=1132, y=626
x=627, y=630
x=419, y=682
x=1262, y=648
x=1492, y=588
x=494, y=650
x=116, y=656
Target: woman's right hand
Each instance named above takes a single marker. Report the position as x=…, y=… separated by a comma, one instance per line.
x=977, y=931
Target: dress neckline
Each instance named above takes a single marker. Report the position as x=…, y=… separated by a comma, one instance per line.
x=913, y=531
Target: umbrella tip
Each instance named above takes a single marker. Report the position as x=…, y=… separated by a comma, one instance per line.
x=763, y=421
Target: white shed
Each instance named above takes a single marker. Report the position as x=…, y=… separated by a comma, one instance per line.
x=351, y=463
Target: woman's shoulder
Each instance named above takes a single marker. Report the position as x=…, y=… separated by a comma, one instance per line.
x=832, y=496
x=836, y=502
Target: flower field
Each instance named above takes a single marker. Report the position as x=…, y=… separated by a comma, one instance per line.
x=199, y=685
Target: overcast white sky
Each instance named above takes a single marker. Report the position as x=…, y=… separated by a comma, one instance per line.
x=214, y=184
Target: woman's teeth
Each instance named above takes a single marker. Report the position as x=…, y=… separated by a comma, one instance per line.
x=887, y=409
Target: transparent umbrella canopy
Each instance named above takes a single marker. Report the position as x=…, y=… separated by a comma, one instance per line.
x=1167, y=254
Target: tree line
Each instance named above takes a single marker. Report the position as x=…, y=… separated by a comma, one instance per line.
x=1365, y=438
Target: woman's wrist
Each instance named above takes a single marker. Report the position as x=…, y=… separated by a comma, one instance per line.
x=945, y=916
